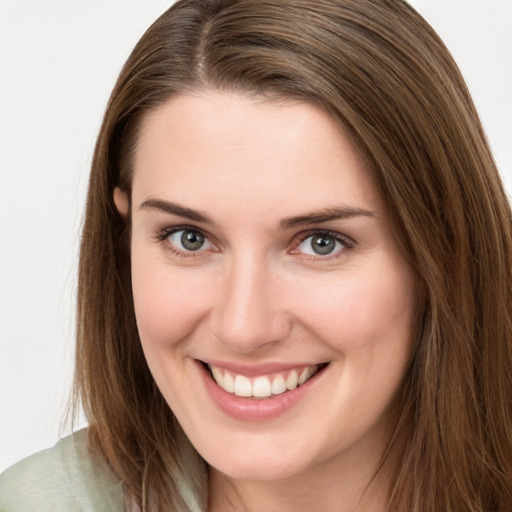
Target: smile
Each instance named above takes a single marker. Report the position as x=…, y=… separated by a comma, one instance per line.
x=262, y=392
x=262, y=386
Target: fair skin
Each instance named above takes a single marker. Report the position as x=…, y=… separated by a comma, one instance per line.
x=260, y=246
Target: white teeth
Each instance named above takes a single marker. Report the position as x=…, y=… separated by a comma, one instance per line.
x=243, y=386
x=292, y=380
x=278, y=385
x=304, y=376
x=229, y=383
x=262, y=386
x=217, y=375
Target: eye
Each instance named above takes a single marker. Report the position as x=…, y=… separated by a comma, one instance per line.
x=322, y=244
x=188, y=240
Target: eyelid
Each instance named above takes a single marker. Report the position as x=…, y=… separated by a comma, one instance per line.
x=347, y=242
x=163, y=235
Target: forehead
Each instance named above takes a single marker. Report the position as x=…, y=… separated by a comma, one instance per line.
x=245, y=150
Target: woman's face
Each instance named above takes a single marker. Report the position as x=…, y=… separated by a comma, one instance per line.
x=262, y=254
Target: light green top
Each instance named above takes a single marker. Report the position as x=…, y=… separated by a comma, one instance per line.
x=66, y=478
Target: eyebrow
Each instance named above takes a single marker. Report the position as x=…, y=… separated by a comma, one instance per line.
x=326, y=215
x=315, y=217
x=176, y=209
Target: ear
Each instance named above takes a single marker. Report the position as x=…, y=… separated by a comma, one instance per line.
x=121, y=201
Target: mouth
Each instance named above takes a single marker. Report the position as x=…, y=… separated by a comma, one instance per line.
x=263, y=386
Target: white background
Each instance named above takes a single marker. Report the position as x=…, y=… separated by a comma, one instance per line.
x=58, y=62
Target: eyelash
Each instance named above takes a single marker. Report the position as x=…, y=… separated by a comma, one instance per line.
x=345, y=241
x=164, y=234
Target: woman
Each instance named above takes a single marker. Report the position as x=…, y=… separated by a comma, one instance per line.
x=295, y=275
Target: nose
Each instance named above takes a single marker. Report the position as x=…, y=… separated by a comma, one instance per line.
x=249, y=313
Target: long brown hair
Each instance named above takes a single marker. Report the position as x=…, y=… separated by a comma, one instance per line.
x=379, y=69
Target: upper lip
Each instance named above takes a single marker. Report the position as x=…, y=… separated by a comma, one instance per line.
x=254, y=370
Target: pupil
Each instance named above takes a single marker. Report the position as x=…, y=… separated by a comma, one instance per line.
x=191, y=240
x=322, y=244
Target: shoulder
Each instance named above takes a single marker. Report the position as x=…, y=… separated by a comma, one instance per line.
x=69, y=477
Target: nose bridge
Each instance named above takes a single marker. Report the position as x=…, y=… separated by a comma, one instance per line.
x=248, y=313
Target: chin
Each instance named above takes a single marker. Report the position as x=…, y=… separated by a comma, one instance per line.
x=259, y=471
x=241, y=463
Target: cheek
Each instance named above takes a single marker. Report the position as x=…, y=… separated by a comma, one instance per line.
x=167, y=305
x=365, y=311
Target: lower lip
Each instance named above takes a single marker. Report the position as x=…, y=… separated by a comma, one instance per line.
x=256, y=409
